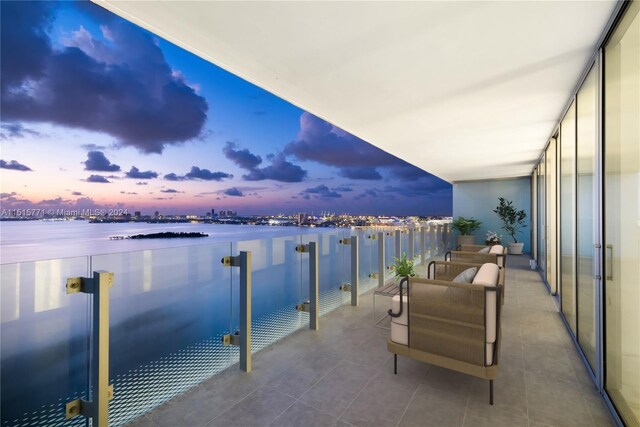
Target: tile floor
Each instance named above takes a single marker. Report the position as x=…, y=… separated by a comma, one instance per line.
x=343, y=376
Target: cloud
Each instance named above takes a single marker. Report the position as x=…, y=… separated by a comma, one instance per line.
x=198, y=174
x=233, y=191
x=321, y=191
x=172, y=177
x=342, y=189
x=142, y=183
x=243, y=158
x=97, y=161
x=14, y=165
x=367, y=173
x=7, y=195
x=98, y=178
x=367, y=193
x=10, y=131
x=137, y=174
x=124, y=88
x=408, y=172
x=170, y=190
x=279, y=170
x=76, y=193
x=93, y=147
x=206, y=174
x=322, y=142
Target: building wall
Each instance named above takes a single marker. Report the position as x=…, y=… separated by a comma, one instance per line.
x=478, y=199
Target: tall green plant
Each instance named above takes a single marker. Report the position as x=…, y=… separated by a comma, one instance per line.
x=402, y=267
x=512, y=219
x=466, y=226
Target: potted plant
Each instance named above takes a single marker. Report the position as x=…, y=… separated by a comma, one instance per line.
x=492, y=238
x=466, y=226
x=402, y=267
x=512, y=222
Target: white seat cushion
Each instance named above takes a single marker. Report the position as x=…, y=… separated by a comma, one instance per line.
x=497, y=249
x=488, y=276
x=395, y=307
x=399, y=333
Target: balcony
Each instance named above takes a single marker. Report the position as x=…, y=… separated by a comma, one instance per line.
x=170, y=308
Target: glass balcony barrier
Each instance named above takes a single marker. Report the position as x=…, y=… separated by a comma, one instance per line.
x=170, y=312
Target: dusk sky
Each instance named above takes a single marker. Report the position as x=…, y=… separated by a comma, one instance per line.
x=96, y=112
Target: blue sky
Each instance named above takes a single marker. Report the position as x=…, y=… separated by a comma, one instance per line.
x=97, y=112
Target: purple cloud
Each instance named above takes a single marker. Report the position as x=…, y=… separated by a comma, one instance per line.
x=233, y=191
x=322, y=142
x=321, y=191
x=124, y=88
x=368, y=173
x=135, y=173
x=98, y=178
x=243, y=158
x=97, y=161
x=279, y=170
x=15, y=130
x=14, y=165
x=206, y=174
x=170, y=190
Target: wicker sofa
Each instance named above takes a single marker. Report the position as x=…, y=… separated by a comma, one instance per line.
x=447, y=271
x=448, y=324
x=470, y=253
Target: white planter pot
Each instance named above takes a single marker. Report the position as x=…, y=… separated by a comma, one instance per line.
x=465, y=240
x=515, y=248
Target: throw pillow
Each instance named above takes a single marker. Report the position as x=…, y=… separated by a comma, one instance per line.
x=485, y=250
x=466, y=276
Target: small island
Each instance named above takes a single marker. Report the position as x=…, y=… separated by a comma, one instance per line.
x=163, y=235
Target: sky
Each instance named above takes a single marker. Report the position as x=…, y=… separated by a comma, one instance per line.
x=96, y=112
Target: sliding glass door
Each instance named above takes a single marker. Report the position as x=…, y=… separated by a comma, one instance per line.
x=567, y=216
x=622, y=216
x=551, y=217
x=587, y=217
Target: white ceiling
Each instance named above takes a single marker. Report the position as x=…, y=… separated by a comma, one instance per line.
x=464, y=90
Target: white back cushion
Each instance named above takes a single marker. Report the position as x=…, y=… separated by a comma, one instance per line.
x=497, y=249
x=488, y=276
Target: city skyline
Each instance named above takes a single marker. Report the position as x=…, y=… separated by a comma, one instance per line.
x=99, y=113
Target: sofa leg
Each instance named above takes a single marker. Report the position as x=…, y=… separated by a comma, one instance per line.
x=395, y=364
x=491, y=392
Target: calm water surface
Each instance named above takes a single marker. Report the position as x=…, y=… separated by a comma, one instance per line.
x=22, y=241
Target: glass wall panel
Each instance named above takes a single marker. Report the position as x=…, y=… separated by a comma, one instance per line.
x=567, y=216
x=542, y=215
x=534, y=214
x=586, y=214
x=622, y=215
x=552, y=230
x=44, y=342
x=168, y=311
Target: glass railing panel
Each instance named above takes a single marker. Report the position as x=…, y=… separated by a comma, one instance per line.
x=276, y=289
x=389, y=252
x=44, y=347
x=168, y=311
x=404, y=245
x=333, y=270
x=367, y=260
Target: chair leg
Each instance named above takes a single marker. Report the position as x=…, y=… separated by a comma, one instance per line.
x=490, y=392
x=395, y=364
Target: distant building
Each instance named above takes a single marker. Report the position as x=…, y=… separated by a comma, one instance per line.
x=137, y=214
x=213, y=213
x=156, y=214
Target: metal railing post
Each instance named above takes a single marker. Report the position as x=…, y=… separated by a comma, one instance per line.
x=312, y=306
x=432, y=240
x=245, y=311
x=98, y=407
x=243, y=337
x=381, y=267
x=355, y=276
x=412, y=249
x=423, y=247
